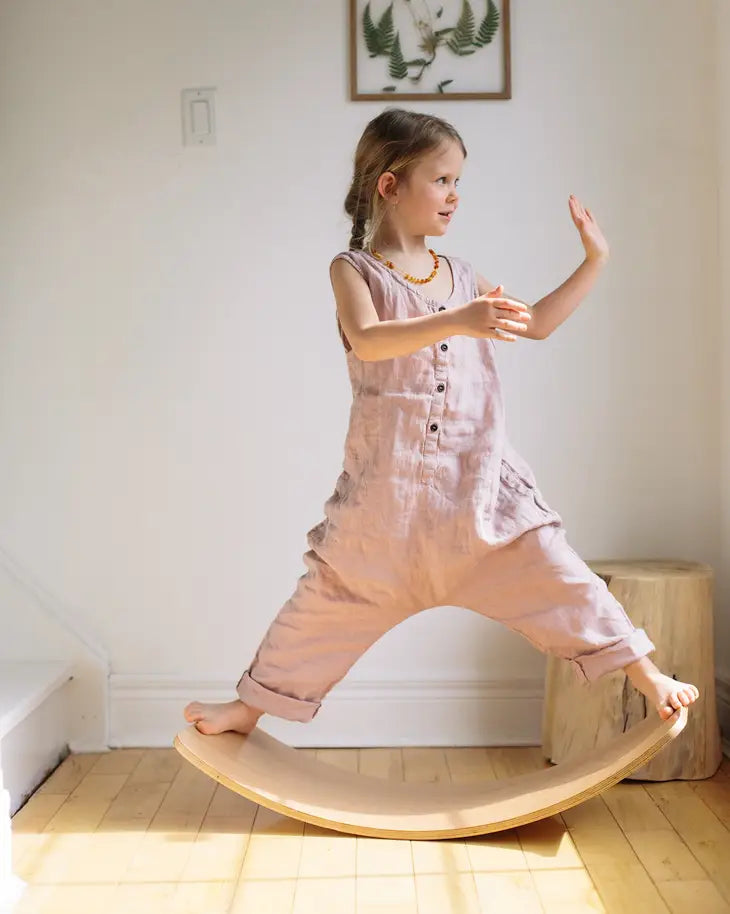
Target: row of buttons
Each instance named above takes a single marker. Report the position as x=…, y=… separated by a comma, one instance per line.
x=441, y=388
x=430, y=444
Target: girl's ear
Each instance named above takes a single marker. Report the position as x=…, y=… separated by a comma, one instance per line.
x=387, y=183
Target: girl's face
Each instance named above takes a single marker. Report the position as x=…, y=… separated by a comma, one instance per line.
x=424, y=203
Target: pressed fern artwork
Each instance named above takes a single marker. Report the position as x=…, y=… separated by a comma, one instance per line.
x=429, y=49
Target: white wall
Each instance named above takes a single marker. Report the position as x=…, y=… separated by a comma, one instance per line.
x=174, y=397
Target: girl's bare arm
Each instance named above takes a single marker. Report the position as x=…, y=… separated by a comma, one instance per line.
x=372, y=339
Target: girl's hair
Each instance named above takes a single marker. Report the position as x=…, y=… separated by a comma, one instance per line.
x=393, y=141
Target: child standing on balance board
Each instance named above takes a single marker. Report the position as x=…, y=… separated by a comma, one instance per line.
x=433, y=506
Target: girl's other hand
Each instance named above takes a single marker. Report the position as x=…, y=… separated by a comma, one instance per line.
x=492, y=316
x=596, y=246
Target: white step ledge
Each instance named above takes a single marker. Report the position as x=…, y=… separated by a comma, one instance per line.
x=24, y=686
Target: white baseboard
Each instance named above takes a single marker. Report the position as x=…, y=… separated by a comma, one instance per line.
x=148, y=711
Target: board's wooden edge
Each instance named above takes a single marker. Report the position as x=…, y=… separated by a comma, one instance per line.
x=673, y=726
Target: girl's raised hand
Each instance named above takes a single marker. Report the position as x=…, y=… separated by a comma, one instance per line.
x=490, y=315
x=596, y=246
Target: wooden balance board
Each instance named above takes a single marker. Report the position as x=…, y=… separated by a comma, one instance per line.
x=277, y=776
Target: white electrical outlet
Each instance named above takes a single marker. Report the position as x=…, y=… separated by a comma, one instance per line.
x=198, y=117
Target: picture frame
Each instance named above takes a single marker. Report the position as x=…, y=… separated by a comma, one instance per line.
x=429, y=50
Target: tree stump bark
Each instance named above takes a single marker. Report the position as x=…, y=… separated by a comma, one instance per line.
x=673, y=602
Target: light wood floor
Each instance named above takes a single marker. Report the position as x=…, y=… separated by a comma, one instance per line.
x=138, y=831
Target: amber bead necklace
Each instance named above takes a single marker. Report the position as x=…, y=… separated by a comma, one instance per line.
x=416, y=279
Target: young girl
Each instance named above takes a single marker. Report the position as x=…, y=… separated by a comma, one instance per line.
x=434, y=507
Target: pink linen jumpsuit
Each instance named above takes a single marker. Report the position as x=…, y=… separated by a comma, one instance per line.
x=434, y=507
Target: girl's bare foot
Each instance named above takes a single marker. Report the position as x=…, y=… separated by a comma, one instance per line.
x=215, y=718
x=664, y=693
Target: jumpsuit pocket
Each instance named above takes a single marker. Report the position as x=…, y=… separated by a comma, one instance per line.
x=522, y=485
x=513, y=479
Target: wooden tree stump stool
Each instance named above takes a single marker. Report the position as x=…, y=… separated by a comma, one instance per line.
x=672, y=601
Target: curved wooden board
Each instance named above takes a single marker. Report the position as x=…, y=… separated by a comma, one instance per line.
x=281, y=778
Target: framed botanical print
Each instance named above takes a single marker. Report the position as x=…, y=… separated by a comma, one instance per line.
x=429, y=49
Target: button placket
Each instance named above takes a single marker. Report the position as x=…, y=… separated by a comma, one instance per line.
x=432, y=430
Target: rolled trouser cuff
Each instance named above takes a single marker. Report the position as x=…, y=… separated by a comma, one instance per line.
x=270, y=702
x=591, y=666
